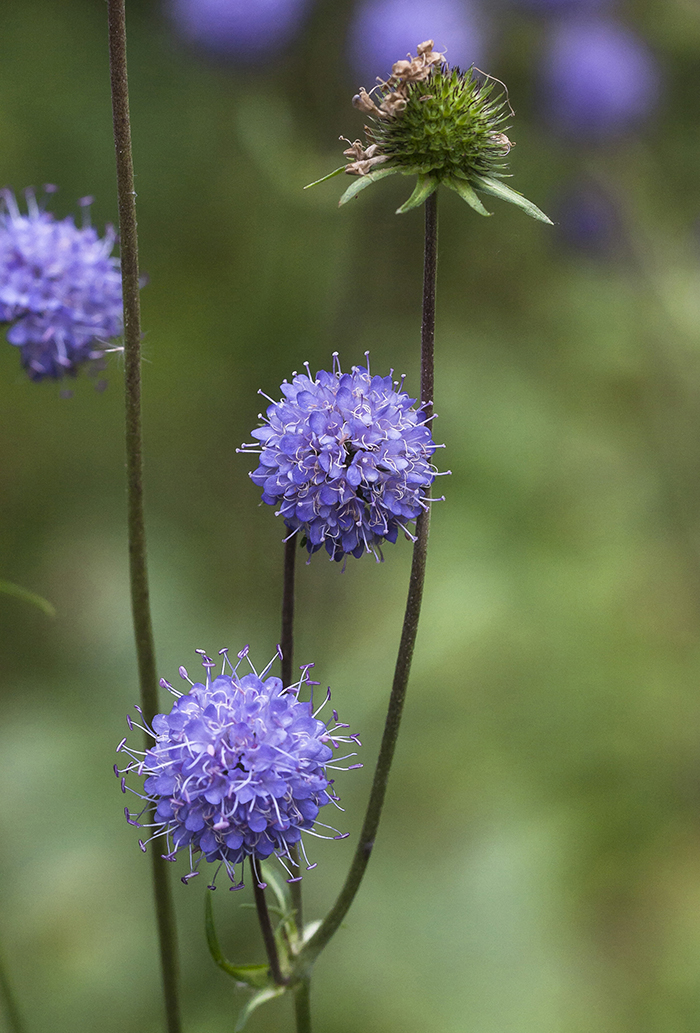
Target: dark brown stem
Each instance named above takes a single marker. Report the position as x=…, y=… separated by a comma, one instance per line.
x=138, y=573
x=265, y=923
x=287, y=647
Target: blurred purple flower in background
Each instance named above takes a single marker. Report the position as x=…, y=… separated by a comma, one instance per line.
x=598, y=77
x=384, y=31
x=60, y=287
x=587, y=220
x=242, y=30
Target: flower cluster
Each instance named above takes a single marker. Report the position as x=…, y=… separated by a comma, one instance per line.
x=441, y=124
x=346, y=457
x=59, y=288
x=238, y=768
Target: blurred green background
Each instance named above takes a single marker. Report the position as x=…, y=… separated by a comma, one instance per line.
x=538, y=868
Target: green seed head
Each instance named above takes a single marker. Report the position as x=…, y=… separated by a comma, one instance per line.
x=446, y=125
x=443, y=125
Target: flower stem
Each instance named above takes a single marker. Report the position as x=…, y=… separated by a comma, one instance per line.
x=143, y=631
x=287, y=647
x=265, y=923
x=302, y=1005
x=335, y=916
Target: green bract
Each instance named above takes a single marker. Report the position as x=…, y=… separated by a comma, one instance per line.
x=440, y=124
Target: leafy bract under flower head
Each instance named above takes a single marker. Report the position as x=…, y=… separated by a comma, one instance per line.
x=238, y=768
x=440, y=124
x=59, y=288
x=346, y=457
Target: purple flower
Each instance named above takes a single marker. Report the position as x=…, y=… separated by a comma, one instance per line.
x=383, y=31
x=238, y=769
x=244, y=30
x=598, y=77
x=346, y=458
x=59, y=288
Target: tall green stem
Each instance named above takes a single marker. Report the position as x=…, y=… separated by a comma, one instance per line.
x=302, y=1005
x=143, y=632
x=335, y=916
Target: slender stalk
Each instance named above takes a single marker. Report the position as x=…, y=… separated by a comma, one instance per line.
x=287, y=640
x=302, y=1005
x=265, y=923
x=143, y=631
x=287, y=647
x=11, y=1008
x=335, y=916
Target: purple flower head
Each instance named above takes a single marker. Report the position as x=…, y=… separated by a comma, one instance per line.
x=598, y=77
x=59, y=288
x=346, y=458
x=239, y=769
x=385, y=30
x=244, y=30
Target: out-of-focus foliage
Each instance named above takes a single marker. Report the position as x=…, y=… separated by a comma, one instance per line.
x=538, y=867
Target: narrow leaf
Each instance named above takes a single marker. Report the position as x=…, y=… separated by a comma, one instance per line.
x=254, y=975
x=324, y=178
x=425, y=186
x=256, y=1000
x=8, y=588
x=364, y=181
x=506, y=193
x=468, y=194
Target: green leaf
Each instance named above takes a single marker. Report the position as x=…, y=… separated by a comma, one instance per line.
x=324, y=178
x=253, y=975
x=256, y=1000
x=364, y=181
x=425, y=186
x=506, y=193
x=8, y=588
x=467, y=193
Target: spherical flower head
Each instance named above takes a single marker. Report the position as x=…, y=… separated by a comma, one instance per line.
x=59, y=288
x=346, y=458
x=238, y=29
x=598, y=78
x=439, y=124
x=239, y=768
x=383, y=29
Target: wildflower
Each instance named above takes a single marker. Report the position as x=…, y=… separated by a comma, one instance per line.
x=598, y=78
x=238, y=29
x=239, y=769
x=383, y=28
x=346, y=456
x=59, y=288
x=439, y=124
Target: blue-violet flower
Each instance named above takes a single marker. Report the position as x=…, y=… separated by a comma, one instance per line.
x=346, y=457
x=59, y=288
x=238, y=30
x=239, y=769
x=598, y=78
x=383, y=29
